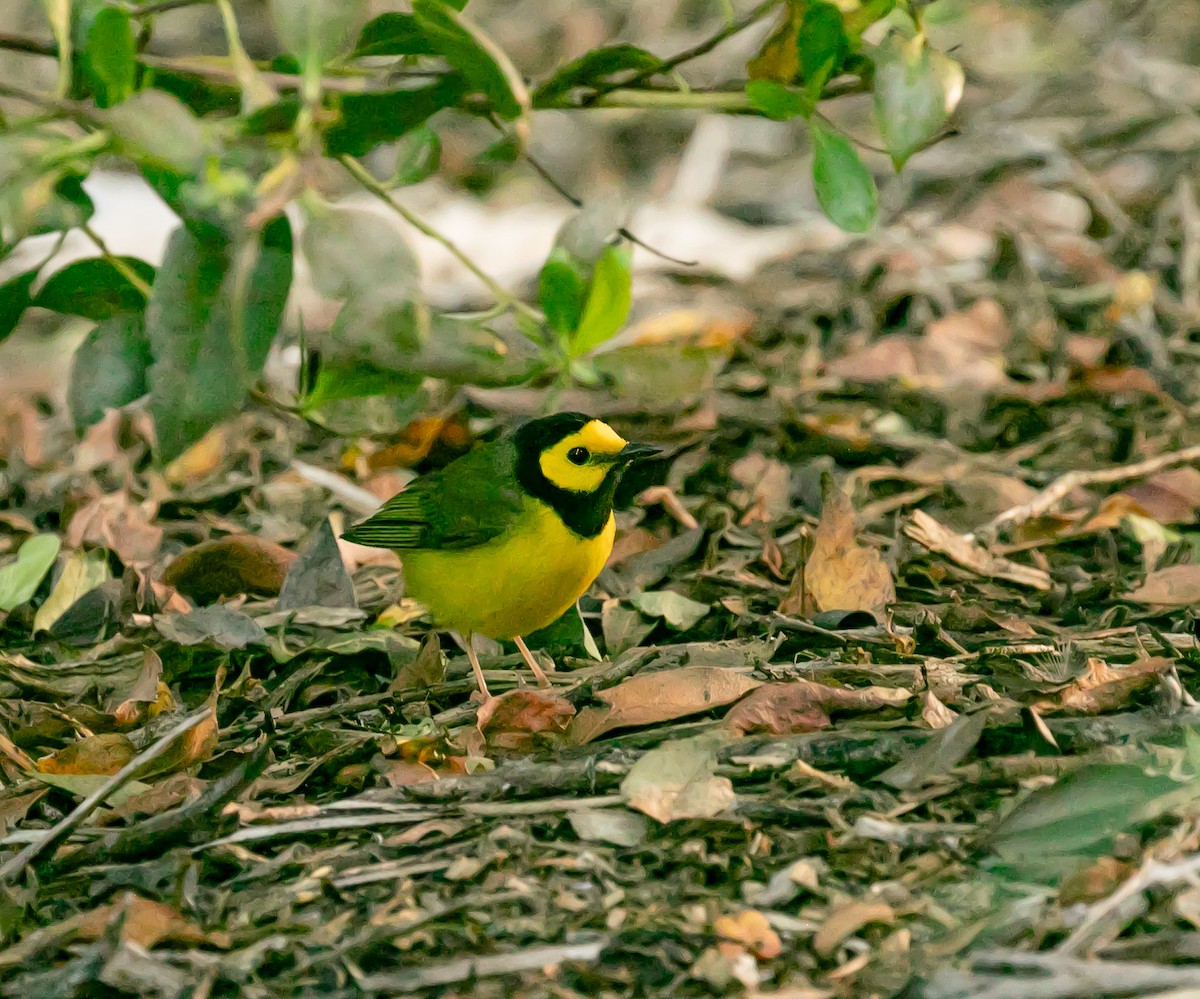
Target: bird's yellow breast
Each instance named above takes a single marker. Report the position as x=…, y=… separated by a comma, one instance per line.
x=514, y=585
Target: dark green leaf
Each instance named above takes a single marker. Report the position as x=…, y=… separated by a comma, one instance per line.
x=20, y=579
x=608, y=301
x=910, y=101
x=259, y=302
x=108, y=369
x=211, y=317
x=14, y=300
x=468, y=49
x=111, y=56
x=779, y=101
x=822, y=44
x=316, y=30
x=594, y=69
x=95, y=289
x=418, y=155
x=845, y=187
x=562, y=291
x=369, y=120
x=392, y=34
x=334, y=238
x=1076, y=816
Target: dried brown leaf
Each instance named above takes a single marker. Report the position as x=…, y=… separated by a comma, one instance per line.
x=840, y=574
x=677, y=780
x=1104, y=688
x=117, y=522
x=96, y=754
x=521, y=719
x=805, y=706
x=1173, y=586
x=146, y=923
x=651, y=698
x=929, y=533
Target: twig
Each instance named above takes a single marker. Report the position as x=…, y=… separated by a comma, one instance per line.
x=119, y=265
x=504, y=298
x=545, y=174
x=1060, y=488
x=69, y=823
x=162, y=6
x=1151, y=874
x=1018, y=975
x=30, y=46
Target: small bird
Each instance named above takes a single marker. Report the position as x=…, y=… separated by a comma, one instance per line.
x=502, y=541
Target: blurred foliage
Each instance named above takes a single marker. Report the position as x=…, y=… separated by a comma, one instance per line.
x=229, y=143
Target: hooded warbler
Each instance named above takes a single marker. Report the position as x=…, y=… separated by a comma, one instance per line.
x=505, y=539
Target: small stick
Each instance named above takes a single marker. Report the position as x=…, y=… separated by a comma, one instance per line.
x=1060, y=488
x=71, y=822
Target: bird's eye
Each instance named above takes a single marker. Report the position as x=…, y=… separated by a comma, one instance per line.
x=578, y=456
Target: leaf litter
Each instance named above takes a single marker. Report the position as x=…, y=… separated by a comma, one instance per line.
x=898, y=677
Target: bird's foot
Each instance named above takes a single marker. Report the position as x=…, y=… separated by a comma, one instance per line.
x=538, y=673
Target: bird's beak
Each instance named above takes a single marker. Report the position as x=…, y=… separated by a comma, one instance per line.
x=635, y=452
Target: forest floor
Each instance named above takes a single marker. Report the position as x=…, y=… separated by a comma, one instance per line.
x=897, y=658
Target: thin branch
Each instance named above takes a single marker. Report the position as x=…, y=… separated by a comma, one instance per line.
x=29, y=46
x=119, y=265
x=503, y=297
x=69, y=823
x=162, y=7
x=545, y=174
x=1058, y=490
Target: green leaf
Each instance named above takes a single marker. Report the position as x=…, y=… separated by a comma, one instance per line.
x=594, y=69
x=680, y=612
x=370, y=120
x=822, y=44
x=95, y=289
x=111, y=56
x=608, y=301
x=315, y=31
x=418, y=155
x=865, y=14
x=83, y=572
x=211, y=318
x=845, y=188
x=81, y=785
x=108, y=369
x=155, y=129
x=562, y=291
x=468, y=49
x=910, y=99
x=19, y=580
x=336, y=382
x=392, y=34
x=14, y=300
x=779, y=101
x=333, y=240
x=1076, y=817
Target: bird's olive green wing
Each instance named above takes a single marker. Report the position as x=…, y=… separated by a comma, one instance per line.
x=467, y=503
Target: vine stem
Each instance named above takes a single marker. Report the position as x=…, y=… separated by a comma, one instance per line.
x=502, y=296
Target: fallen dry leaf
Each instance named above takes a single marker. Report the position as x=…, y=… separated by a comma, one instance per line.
x=1174, y=586
x=95, y=754
x=969, y=554
x=227, y=567
x=678, y=781
x=1104, y=688
x=522, y=719
x=805, y=706
x=767, y=488
x=845, y=920
x=934, y=713
x=146, y=923
x=147, y=698
x=650, y=698
x=1170, y=497
x=115, y=521
x=840, y=574
x=750, y=929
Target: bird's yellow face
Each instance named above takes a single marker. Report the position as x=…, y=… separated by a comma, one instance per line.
x=581, y=461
